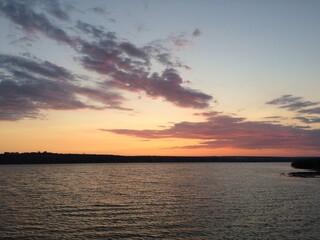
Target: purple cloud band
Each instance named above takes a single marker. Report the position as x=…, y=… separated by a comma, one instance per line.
x=222, y=131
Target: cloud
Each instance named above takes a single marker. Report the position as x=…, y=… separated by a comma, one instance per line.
x=180, y=40
x=55, y=9
x=223, y=131
x=184, y=39
x=99, y=10
x=196, y=33
x=167, y=85
x=310, y=110
x=96, y=32
x=22, y=14
x=300, y=107
x=308, y=120
x=45, y=69
x=28, y=86
x=166, y=60
x=23, y=42
x=291, y=103
x=126, y=66
x=108, y=56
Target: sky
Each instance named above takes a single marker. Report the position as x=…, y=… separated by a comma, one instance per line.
x=165, y=77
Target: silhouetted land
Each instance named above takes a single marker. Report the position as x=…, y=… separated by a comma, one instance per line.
x=310, y=164
x=56, y=158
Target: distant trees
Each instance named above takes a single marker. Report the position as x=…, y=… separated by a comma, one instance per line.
x=311, y=164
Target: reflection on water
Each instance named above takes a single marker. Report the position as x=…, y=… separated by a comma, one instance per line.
x=168, y=201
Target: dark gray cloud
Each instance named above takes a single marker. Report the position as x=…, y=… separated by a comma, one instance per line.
x=95, y=31
x=291, y=103
x=22, y=14
x=274, y=117
x=308, y=120
x=166, y=59
x=28, y=86
x=132, y=51
x=25, y=66
x=196, y=33
x=222, y=131
x=304, y=110
x=310, y=111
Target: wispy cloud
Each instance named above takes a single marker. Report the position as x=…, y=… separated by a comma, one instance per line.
x=291, y=102
x=305, y=111
x=184, y=39
x=99, y=10
x=180, y=40
x=308, y=120
x=223, y=131
x=310, y=110
x=94, y=31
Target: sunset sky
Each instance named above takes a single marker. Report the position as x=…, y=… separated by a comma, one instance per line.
x=165, y=77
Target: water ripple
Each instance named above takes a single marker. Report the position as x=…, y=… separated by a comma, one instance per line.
x=157, y=201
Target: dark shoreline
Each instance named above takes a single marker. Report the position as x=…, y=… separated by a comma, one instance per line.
x=56, y=158
x=304, y=174
x=312, y=164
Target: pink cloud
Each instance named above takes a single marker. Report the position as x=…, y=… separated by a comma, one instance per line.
x=127, y=67
x=222, y=131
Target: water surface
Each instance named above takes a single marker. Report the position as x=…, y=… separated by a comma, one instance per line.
x=157, y=200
